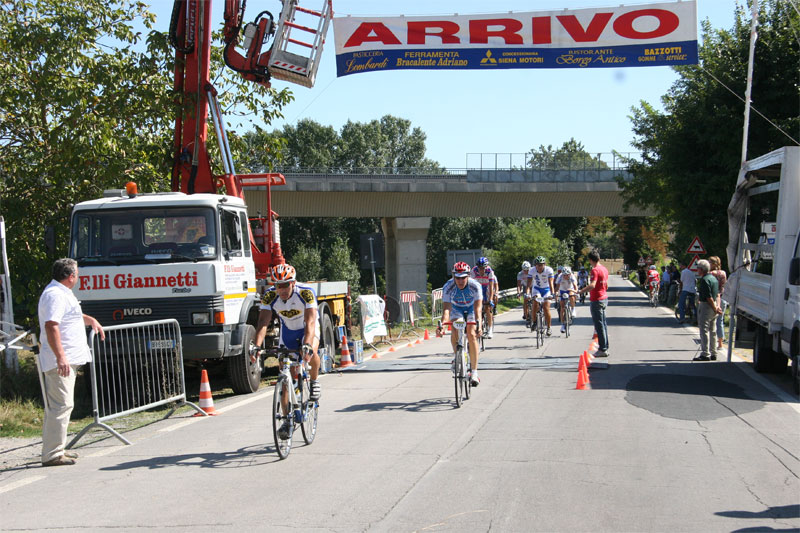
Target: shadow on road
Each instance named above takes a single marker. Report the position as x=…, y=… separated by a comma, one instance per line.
x=241, y=458
x=421, y=406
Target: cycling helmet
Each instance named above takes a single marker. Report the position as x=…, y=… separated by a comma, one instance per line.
x=283, y=273
x=461, y=269
x=482, y=261
x=652, y=267
x=540, y=260
x=567, y=270
x=526, y=265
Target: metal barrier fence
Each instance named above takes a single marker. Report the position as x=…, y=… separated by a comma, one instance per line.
x=137, y=367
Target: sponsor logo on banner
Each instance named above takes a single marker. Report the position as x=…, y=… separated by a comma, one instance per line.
x=622, y=36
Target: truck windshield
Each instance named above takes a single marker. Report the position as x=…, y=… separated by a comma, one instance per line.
x=131, y=236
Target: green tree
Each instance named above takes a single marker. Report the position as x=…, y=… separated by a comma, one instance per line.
x=691, y=152
x=525, y=240
x=570, y=156
x=340, y=265
x=307, y=261
x=86, y=104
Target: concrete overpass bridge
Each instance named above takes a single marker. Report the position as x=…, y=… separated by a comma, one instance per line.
x=406, y=202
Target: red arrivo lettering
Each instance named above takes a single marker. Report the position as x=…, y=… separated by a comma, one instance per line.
x=541, y=30
x=591, y=33
x=479, y=32
x=667, y=23
x=418, y=31
x=363, y=34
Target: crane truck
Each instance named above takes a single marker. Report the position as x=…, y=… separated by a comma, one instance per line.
x=195, y=253
x=764, y=255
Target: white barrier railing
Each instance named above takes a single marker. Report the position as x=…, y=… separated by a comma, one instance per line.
x=137, y=367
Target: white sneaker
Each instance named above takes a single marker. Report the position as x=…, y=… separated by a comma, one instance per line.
x=490, y=334
x=563, y=328
x=574, y=313
x=474, y=378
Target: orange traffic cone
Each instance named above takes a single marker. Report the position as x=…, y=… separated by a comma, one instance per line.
x=418, y=341
x=588, y=356
x=586, y=375
x=376, y=356
x=582, y=383
x=582, y=364
x=427, y=337
x=206, y=401
x=345, y=360
x=392, y=349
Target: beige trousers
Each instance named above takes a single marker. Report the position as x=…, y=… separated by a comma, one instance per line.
x=60, y=394
x=706, y=321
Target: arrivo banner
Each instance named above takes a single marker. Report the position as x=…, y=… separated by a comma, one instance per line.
x=643, y=35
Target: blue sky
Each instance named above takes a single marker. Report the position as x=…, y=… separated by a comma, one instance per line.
x=469, y=112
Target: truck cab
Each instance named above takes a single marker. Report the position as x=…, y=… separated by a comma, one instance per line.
x=171, y=255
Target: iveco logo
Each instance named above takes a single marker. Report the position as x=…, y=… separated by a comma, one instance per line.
x=120, y=314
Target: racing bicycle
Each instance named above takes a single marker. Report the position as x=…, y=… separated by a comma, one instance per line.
x=462, y=371
x=566, y=315
x=654, y=294
x=291, y=401
x=539, y=325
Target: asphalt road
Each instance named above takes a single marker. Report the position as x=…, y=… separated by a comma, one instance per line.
x=658, y=444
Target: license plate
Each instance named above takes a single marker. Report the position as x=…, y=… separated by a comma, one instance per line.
x=164, y=344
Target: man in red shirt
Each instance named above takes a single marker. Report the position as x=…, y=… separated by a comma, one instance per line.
x=597, y=289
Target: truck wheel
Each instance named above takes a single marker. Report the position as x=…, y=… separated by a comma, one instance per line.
x=328, y=339
x=796, y=374
x=763, y=356
x=245, y=376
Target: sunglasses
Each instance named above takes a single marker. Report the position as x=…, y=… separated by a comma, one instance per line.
x=283, y=285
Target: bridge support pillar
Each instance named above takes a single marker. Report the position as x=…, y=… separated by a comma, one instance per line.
x=406, y=254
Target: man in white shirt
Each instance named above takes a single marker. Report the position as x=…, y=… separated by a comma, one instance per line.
x=64, y=349
x=688, y=283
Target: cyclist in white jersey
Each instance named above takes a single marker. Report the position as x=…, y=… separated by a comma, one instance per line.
x=567, y=284
x=459, y=295
x=583, y=278
x=296, y=307
x=540, y=279
x=522, y=288
x=484, y=275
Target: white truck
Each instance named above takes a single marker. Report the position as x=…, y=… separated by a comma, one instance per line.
x=189, y=257
x=764, y=288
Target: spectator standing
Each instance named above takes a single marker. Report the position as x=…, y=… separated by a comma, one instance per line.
x=64, y=349
x=707, y=311
x=665, y=278
x=598, y=297
x=722, y=279
x=687, y=283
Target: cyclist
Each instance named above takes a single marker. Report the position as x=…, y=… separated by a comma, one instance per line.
x=296, y=307
x=583, y=278
x=484, y=275
x=541, y=279
x=567, y=284
x=459, y=294
x=653, y=280
x=522, y=288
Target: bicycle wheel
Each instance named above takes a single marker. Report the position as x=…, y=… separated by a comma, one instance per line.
x=310, y=412
x=538, y=329
x=466, y=377
x=282, y=446
x=458, y=370
x=542, y=327
x=567, y=321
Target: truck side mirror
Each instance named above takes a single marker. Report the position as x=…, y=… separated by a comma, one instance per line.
x=794, y=271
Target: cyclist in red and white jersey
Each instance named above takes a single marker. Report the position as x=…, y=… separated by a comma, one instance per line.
x=653, y=279
x=484, y=275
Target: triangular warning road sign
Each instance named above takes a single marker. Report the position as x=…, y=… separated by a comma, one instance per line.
x=696, y=247
x=693, y=264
